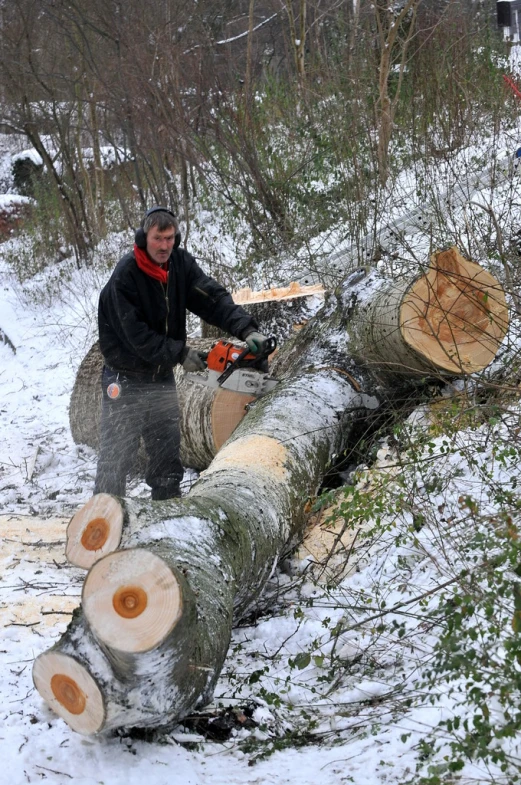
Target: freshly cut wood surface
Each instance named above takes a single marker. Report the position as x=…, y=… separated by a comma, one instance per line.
x=333, y=544
x=455, y=315
x=242, y=296
x=264, y=455
x=227, y=411
x=70, y=691
x=447, y=320
x=94, y=530
x=131, y=600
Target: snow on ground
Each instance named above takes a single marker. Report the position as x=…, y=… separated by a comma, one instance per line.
x=41, y=469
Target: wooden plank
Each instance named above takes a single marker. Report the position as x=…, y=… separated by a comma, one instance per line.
x=245, y=296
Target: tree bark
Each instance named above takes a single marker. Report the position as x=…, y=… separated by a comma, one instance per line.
x=152, y=635
x=449, y=320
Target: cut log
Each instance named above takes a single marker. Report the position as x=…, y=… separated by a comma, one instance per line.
x=224, y=540
x=333, y=544
x=70, y=691
x=204, y=560
x=450, y=320
x=94, y=530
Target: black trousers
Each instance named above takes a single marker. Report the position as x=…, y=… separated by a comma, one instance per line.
x=147, y=409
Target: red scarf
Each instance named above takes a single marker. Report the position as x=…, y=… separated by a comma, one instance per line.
x=145, y=263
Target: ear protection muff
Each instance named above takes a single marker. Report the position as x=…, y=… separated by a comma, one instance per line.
x=140, y=238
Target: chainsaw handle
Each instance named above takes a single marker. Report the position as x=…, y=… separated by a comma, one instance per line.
x=232, y=366
x=271, y=345
x=269, y=348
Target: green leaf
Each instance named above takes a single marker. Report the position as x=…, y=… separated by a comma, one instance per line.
x=302, y=660
x=456, y=765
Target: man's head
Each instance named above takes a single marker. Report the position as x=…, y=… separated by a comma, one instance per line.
x=159, y=234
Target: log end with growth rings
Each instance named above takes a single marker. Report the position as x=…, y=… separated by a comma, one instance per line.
x=94, y=531
x=70, y=691
x=455, y=316
x=132, y=600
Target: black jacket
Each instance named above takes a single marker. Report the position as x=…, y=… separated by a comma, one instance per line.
x=142, y=322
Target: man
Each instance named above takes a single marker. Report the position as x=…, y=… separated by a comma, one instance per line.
x=142, y=332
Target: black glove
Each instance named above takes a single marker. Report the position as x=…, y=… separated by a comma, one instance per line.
x=256, y=342
x=191, y=361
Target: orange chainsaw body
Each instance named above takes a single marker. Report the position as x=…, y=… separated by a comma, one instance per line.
x=223, y=354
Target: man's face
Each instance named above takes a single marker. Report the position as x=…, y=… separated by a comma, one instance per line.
x=160, y=244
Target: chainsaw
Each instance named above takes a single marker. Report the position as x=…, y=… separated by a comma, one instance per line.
x=232, y=368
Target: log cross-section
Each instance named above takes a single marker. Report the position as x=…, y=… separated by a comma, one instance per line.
x=149, y=642
x=455, y=315
x=448, y=320
x=94, y=531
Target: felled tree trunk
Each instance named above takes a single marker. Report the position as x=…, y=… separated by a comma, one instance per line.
x=450, y=320
x=150, y=639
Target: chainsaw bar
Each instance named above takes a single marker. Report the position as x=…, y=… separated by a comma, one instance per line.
x=241, y=380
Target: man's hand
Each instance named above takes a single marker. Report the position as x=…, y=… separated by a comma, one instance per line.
x=191, y=361
x=256, y=342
